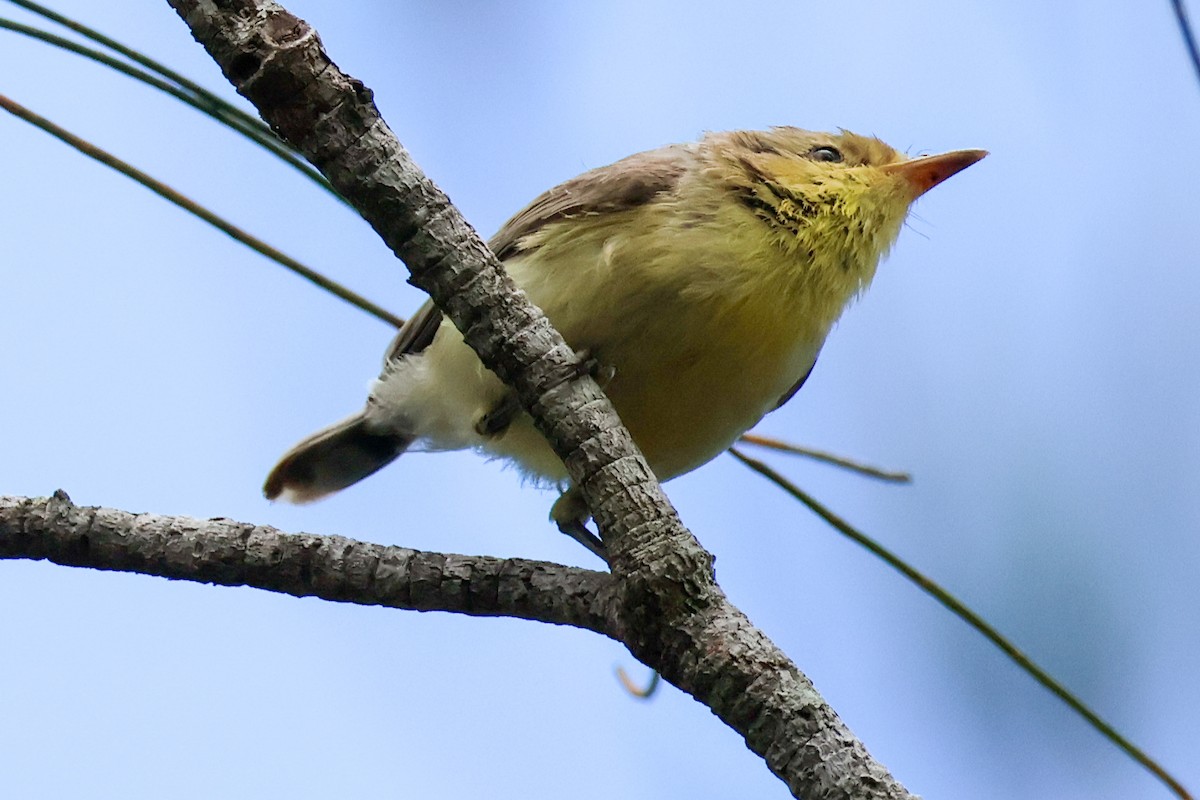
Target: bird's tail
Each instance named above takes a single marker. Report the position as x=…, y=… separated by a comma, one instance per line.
x=332, y=459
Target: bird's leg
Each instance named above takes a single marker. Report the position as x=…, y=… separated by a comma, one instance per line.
x=578, y=531
x=587, y=364
x=570, y=513
x=500, y=417
x=503, y=413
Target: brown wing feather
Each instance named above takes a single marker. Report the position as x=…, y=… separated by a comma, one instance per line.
x=416, y=334
x=625, y=184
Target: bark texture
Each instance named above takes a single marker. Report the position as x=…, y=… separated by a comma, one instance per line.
x=661, y=599
x=229, y=553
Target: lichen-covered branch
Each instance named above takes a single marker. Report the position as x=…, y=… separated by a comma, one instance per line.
x=231, y=553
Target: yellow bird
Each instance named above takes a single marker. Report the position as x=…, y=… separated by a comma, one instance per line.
x=701, y=279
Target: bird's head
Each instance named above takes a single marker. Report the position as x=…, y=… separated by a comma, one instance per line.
x=836, y=199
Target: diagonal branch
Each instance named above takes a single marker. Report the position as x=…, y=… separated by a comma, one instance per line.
x=667, y=608
x=277, y=62
x=230, y=553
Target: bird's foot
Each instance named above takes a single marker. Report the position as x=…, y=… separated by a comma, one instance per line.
x=587, y=364
x=570, y=513
x=500, y=417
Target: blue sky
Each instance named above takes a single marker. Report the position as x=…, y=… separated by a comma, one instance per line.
x=1029, y=352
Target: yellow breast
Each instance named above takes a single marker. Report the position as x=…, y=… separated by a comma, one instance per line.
x=706, y=326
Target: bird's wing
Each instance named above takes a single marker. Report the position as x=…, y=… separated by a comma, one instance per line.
x=628, y=183
x=416, y=334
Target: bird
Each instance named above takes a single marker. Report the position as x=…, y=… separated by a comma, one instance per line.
x=698, y=281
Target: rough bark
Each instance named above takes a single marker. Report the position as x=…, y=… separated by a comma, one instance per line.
x=661, y=601
x=229, y=553
x=728, y=665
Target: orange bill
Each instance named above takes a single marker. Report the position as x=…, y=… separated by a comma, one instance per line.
x=928, y=171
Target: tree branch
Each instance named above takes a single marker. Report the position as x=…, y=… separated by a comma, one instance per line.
x=229, y=553
x=666, y=606
x=277, y=62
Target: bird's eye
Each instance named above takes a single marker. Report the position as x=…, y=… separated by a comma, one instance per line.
x=827, y=154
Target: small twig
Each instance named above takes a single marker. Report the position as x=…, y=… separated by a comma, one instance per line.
x=1189, y=39
x=828, y=458
x=201, y=100
x=642, y=692
x=192, y=207
x=959, y=609
x=139, y=58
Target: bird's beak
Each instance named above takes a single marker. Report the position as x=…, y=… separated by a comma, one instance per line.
x=922, y=174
